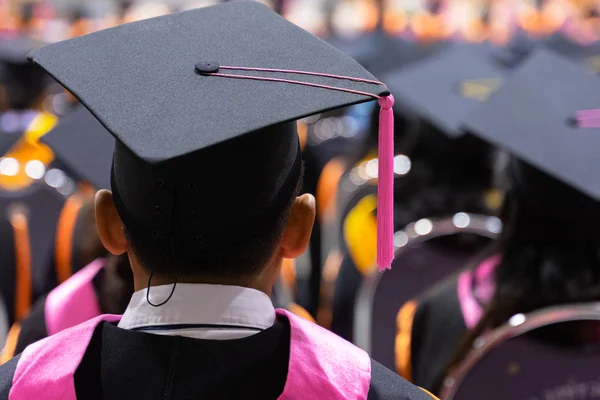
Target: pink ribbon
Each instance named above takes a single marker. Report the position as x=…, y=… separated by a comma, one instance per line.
x=588, y=118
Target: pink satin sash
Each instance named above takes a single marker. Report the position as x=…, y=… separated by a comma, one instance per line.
x=321, y=365
x=46, y=368
x=74, y=301
x=482, y=288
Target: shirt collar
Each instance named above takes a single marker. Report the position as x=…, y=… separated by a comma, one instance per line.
x=204, y=304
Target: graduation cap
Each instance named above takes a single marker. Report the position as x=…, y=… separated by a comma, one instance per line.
x=522, y=46
x=396, y=52
x=534, y=116
x=588, y=54
x=83, y=146
x=446, y=87
x=22, y=81
x=362, y=48
x=203, y=105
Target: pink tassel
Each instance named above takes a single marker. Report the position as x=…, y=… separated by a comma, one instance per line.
x=588, y=118
x=385, y=188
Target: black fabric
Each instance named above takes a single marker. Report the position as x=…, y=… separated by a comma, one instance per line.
x=347, y=285
x=84, y=146
x=528, y=116
x=33, y=327
x=24, y=83
x=120, y=364
x=432, y=88
x=7, y=372
x=173, y=125
x=181, y=111
x=386, y=385
x=144, y=366
x=170, y=206
x=438, y=328
x=43, y=205
x=7, y=267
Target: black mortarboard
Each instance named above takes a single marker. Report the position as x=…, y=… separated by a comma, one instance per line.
x=362, y=48
x=396, y=52
x=531, y=116
x=206, y=148
x=83, y=146
x=22, y=81
x=522, y=46
x=446, y=87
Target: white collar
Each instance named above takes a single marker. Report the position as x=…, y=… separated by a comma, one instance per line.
x=212, y=306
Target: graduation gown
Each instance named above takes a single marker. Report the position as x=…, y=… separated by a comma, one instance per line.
x=433, y=326
x=294, y=359
x=71, y=303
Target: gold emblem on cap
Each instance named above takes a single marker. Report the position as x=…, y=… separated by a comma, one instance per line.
x=479, y=89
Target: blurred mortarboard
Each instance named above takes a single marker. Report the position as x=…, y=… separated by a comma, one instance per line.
x=588, y=54
x=446, y=87
x=196, y=132
x=83, y=146
x=23, y=81
x=362, y=48
x=530, y=117
x=397, y=52
x=14, y=49
x=522, y=46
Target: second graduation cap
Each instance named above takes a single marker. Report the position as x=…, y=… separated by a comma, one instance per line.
x=83, y=146
x=22, y=81
x=203, y=105
x=446, y=87
x=533, y=116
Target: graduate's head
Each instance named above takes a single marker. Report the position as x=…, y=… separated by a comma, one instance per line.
x=225, y=212
x=207, y=163
x=24, y=84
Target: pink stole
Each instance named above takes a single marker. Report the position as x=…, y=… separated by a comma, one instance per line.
x=476, y=284
x=74, y=301
x=321, y=365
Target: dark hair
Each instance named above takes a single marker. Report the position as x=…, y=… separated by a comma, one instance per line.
x=448, y=175
x=237, y=259
x=550, y=249
x=24, y=85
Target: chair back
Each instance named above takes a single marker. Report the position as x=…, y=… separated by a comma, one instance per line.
x=534, y=357
x=427, y=251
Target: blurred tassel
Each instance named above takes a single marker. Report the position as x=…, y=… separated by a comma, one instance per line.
x=385, y=189
x=588, y=118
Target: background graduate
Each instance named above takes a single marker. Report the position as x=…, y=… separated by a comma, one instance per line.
x=549, y=250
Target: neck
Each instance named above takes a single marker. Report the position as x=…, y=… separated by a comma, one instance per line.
x=264, y=280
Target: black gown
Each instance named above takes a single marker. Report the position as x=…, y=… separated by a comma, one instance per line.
x=437, y=330
x=122, y=364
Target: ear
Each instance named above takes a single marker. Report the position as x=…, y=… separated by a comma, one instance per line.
x=109, y=224
x=299, y=228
